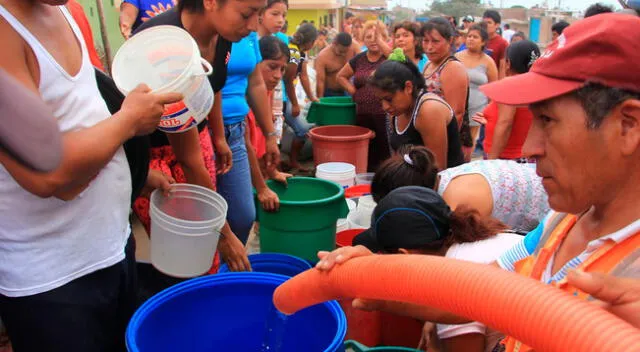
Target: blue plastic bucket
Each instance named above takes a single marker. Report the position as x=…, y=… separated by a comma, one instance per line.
x=274, y=263
x=231, y=312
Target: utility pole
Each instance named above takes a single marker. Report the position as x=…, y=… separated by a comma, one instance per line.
x=105, y=37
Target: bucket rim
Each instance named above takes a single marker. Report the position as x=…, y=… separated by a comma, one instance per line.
x=142, y=34
x=272, y=258
x=212, y=280
x=364, y=133
x=214, y=196
x=333, y=198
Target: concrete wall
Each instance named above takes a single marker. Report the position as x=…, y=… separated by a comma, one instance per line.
x=295, y=17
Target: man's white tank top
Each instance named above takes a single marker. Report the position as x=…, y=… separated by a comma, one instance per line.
x=46, y=243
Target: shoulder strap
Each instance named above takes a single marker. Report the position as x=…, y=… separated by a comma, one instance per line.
x=427, y=97
x=448, y=60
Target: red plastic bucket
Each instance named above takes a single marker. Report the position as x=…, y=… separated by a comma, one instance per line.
x=345, y=238
x=364, y=327
x=342, y=143
x=357, y=191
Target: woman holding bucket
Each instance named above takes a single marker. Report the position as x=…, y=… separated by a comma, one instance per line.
x=189, y=157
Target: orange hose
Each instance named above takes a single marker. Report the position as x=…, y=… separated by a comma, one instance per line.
x=540, y=316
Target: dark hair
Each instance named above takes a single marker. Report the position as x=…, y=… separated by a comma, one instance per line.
x=441, y=25
x=481, y=28
x=494, y=15
x=598, y=100
x=285, y=26
x=396, y=172
x=467, y=225
x=196, y=6
x=559, y=27
x=522, y=55
x=391, y=76
x=343, y=39
x=597, y=9
x=507, y=26
x=413, y=29
x=519, y=35
x=306, y=34
x=272, y=48
x=348, y=15
x=270, y=4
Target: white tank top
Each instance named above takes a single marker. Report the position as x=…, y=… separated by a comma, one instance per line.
x=46, y=243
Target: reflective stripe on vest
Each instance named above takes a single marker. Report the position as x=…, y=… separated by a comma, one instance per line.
x=611, y=258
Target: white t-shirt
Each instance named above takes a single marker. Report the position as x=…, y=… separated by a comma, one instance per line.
x=508, y=34
x=486, y=252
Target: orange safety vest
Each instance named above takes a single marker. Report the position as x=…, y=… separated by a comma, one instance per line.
x=611, y=258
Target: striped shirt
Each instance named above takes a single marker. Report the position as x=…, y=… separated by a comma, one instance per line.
x=527, y=246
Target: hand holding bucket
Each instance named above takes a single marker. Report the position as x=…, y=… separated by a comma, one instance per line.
x=167, y=59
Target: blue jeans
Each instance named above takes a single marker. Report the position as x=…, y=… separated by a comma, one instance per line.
x=296, y=124
x=235, y=186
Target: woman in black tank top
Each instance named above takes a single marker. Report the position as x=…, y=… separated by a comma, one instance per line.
x=416, y=118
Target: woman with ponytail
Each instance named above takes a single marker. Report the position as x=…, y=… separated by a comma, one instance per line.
x=416, y=117
x=416, y=220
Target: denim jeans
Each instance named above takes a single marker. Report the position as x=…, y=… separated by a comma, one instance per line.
x=296, y=123
x=235, y=186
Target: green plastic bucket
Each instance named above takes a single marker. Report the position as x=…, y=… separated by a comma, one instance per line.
x=306, y=221
x=333, y=111
x=353, y=346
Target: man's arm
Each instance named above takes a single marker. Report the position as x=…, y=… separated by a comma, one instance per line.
x=306, y=84
x=344, y=77
x=320, y=75
x=502, y=132
x=128, y=14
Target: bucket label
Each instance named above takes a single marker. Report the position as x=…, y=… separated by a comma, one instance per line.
x=186, y=114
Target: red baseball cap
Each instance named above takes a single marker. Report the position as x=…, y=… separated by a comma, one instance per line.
x=600, y=49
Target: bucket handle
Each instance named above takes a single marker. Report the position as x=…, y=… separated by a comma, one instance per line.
x=208, y=68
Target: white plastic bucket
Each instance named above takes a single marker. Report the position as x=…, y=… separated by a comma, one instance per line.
x=167, y=59
x=364, y=179
x=185, y=228
x=343, y=224
x=342, y=173
x=359, y=219
x=366, y=203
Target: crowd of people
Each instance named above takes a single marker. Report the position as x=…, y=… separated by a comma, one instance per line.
x=558, y=134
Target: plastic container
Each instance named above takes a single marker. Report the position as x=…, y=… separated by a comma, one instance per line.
x=306, y=220
x=343, y=223
x=357, y=191
x=342, y=173
x=366, y=204
x=364, y=179
x=348, y=144
x=232, y=312
x=185, y=229
x=274, y=263
x=167, y=59
x=333, y=111
x=354, y=346
x=359, y=219
x=345, y=238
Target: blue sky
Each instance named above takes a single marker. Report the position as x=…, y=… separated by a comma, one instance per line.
x=570, y=4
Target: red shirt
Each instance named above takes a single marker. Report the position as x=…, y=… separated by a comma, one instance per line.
x=521, y=124
x=83, y=23
x=497, y=48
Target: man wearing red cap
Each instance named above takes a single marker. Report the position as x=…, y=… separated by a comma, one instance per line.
x=584, y=93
